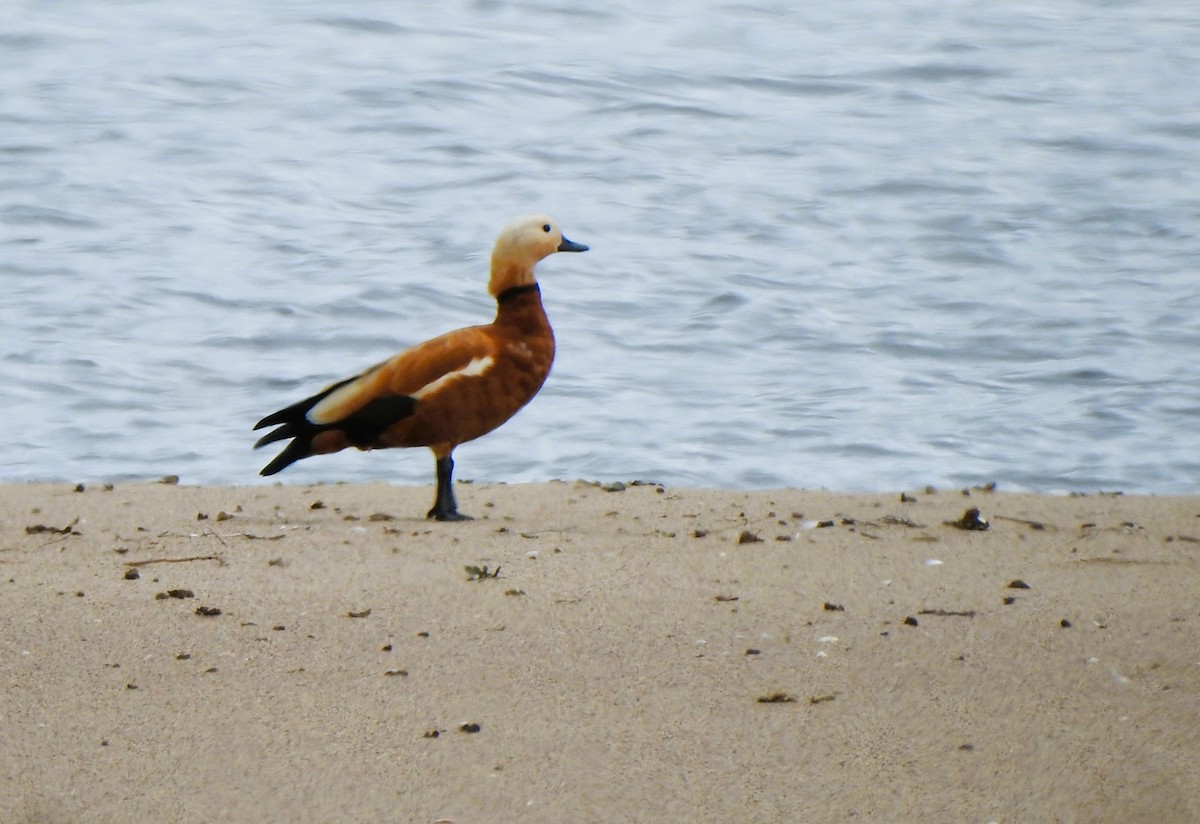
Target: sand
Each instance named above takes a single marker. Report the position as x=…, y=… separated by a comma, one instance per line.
x=636, y=654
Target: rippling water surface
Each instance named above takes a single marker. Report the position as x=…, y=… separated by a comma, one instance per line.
x=865, y=246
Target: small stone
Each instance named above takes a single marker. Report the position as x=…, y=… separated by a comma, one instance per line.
x=971, y=520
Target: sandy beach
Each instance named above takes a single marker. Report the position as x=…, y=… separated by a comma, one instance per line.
x=585, y=653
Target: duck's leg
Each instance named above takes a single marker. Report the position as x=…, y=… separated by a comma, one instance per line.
x=445, y=508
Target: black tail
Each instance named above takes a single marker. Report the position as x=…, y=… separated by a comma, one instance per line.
x=296, y=450
x=361, y=427
x=294, y=426
x=292, y=422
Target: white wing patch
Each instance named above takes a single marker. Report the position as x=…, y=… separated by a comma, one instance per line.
x=474, y=369
x=323, y=411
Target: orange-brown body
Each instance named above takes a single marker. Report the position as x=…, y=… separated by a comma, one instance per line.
x=445, y=391
x=520, y=347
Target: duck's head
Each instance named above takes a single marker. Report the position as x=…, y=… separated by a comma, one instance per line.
x=521, y=245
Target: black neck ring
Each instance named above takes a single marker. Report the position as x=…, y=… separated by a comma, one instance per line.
x=516, y=291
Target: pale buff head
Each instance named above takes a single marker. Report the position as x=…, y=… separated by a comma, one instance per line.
x=520, y=246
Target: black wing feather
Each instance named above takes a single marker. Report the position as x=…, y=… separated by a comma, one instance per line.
x=362, y=427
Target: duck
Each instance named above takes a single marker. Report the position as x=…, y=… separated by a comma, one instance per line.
x=446, y=391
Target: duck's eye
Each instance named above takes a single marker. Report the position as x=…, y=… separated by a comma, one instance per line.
x=546, y=228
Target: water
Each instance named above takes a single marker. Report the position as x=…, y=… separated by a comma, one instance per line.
x=865, y=246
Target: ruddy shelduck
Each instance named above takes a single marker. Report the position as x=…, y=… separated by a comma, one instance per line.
x=445, y=391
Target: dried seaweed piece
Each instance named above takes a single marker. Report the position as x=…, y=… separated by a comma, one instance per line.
x=971, y=520
x=42, y=529
x=896, y=520
x=777, y=698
